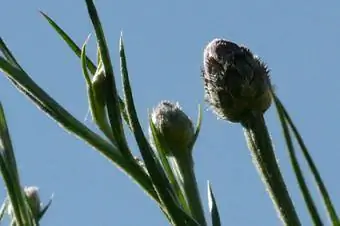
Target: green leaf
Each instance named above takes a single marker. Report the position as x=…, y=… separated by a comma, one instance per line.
x=74, y=47
x=92, y=68
x=157, y=174
x=215, y=216
x=97, y=107
x=296, y=167
x=8, y=55
x=198, y=126
x=9, y=171
x=112, y=99
x=44, y=210
x=169, y=171
x=71, y=124
x=10, y=59
x=84, y=63
x=319, y=182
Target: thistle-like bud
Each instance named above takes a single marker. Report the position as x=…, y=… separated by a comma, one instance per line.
x=236, y=82
x=174, y=126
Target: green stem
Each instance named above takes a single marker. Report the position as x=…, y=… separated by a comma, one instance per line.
x=263, y=155
x=186, y=167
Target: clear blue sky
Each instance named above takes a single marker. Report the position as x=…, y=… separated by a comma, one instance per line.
x=164, y=45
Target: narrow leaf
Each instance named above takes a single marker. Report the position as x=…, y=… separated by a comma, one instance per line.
x=113, y=106
x=198, y=127
x=215, y=216
x=3, y=209
x=173, y=178
x=84, y=63
x=71, y=124
x=296, y=167
x=44, y=210
x=97, y=108
x=91, y=66
x=10, y=174
x=74, y=47
x=157, y=174
x=7, y=54
x=319, y=182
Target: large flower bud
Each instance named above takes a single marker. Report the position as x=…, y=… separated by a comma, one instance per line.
x=236, y=82
x=174, y=125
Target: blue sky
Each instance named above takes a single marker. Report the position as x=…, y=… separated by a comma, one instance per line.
x=164, y=45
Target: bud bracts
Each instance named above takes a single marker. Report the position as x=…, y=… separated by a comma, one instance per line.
x=174, y=125
x=236, y=82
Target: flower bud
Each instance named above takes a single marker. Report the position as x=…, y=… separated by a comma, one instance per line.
x=33, y=202
x=174, y=125
x=236, y=82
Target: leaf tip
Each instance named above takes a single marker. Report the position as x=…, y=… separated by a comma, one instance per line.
x=121, y=43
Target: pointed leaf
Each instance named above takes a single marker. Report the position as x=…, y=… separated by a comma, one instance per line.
x=10, y=174
x=173, y=177
x=113, y=106
x=11, y=60
x=296, y=167
x=198, y=126
x=71, y=124
x=91, y=66
x=3, y=209
x=215, y=216
x=157, y=174
x=97, y=111
x=7, y=54
x=319, y=182
x=44, y=210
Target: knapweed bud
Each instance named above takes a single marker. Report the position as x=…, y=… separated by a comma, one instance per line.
x=236, y=82
x=174, y=126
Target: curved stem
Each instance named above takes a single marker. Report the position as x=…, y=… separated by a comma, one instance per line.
x=186, y=167
x=264, y=159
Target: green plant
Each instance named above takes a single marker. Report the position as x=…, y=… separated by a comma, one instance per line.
x=237, y=87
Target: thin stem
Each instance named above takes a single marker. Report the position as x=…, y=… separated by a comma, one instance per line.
x=263, y=155
x=186, y=167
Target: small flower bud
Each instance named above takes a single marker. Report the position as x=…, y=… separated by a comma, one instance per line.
x=174, y=125
x=33, y=202
x=236, y=82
